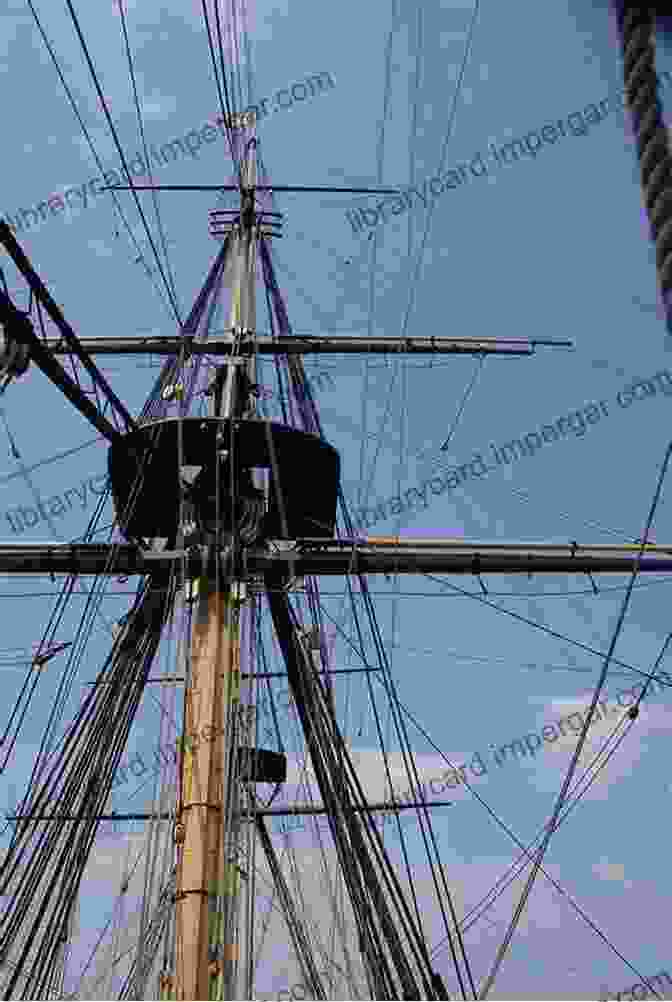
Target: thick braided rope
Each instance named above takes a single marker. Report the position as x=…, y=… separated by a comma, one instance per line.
x=637, y=28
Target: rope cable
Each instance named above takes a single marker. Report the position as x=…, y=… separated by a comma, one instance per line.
x=580, y=742
x=636, y=24
x=87, y=136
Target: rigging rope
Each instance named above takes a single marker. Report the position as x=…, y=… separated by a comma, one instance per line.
x=115, y=136
x=308, y=419
x=96, y=157
x=79, y=782
x=371, y=880
x=141, y=126
x=637, y=26
x=562, y=796
x=295, y=926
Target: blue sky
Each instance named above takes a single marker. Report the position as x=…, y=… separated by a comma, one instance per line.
x=551, y=247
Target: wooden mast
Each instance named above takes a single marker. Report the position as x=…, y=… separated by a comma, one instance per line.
x=207, y=830
x=206, y=878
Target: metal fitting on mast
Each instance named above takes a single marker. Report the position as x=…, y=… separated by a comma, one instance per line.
x=14, y=351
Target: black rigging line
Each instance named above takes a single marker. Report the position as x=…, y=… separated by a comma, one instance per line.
x=80, y=777
x=50, y=522
x=50, y=459
x=333, y=768
x=141, y=126
x=430, y=212
x=502, y=824
x=580, y=742
x=87, y=136
x=46, y=360
x=103, y=102
x=575, y=797
x=545, y=629
x=310, y=421
x=248, y=51
x=27, y=690
x=226, y=112
x=230, y=99
x=603, y=592
x=380, y=154
x=295, y=925
x=510, y=833
x=412, y=769
x=589, y=777
x=516, y=868
x=326, y=746
x=463, y=403
x=530, y=664
x=136, y=979
x=92, y=609
x=402, y=839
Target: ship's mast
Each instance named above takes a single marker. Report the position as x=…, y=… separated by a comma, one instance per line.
x=208, y=825
x=208, y=815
